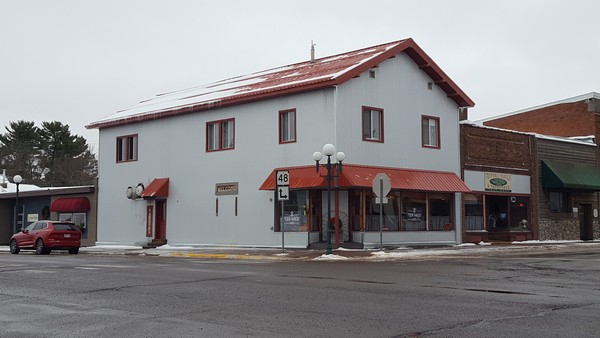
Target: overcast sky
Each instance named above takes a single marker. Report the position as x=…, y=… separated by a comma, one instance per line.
x=78, y=61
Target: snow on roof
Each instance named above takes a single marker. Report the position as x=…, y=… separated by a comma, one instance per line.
x=303, y=76
x=585, y=140
x=12, y=188
x=588, y=96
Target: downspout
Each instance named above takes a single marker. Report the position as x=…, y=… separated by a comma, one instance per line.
x=458, y=197
x=335, y=110
x=337, y=197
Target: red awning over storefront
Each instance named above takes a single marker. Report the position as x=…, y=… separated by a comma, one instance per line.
x=76, y=204
x=159, y=187
x=362, y=176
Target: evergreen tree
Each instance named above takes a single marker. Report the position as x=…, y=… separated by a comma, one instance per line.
x=65, y=158
x=19, y=150
x=47, y=156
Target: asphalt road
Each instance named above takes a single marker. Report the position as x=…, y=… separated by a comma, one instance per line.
x=546, y=294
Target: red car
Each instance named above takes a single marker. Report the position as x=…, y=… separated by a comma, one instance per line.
x=44, y=236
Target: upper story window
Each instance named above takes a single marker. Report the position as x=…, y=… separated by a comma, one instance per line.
x=220, y=135
x=372, y=124
x=430, y=131
x=287, y=126
x=127, y=148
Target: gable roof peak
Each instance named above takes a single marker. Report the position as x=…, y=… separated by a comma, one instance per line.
x=291, y=79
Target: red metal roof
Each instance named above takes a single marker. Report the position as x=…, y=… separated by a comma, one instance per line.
x=75, y=204
x=159, y=187
x=295, y=78
x=353, y=175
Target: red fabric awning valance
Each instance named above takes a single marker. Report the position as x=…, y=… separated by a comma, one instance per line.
x=75, y=204
x=159, y=187
x=362, y=176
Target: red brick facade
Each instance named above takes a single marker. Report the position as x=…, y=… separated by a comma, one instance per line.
x=565, y=119
x=505, y=152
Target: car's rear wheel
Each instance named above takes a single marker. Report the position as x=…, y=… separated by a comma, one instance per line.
x=14, y=248
x=73, y=251
x=39, y=247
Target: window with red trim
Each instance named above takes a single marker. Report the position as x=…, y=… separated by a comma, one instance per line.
x=287, y=126
x=430, y=131
x=127, y=148
x=372, y=124
x=220, y=135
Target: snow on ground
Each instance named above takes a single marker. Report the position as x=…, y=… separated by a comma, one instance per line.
x=547, y=242
x=330, y=257
x=108, y=247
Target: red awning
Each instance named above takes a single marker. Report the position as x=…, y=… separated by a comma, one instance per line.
x=158, y=188
x=76, y=204
x=362, y=176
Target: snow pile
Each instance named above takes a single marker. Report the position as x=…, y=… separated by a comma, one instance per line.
x=118, y=247
x=330, y=257
x=547, y=242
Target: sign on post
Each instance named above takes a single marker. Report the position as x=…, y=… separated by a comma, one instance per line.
x=283, y=178
x=381, y=187
x=282, y=189
x=283, y=193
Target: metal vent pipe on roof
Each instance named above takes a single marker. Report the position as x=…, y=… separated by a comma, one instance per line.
x=312, y=51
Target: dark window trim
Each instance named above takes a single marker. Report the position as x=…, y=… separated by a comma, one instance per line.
x=126, y=157
x=220, y=145
x=281, y=112
x=439, y=140
x=381, y=124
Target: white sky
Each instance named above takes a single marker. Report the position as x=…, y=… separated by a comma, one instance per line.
x=78, y=61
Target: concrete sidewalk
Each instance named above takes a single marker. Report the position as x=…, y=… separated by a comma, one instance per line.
x=340, y=254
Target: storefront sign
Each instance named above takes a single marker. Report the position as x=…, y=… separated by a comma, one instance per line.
x=291, y=222
x=149, y=218
x=413, y=214
x=498, y=182
x=32, y=218
x=226, y=188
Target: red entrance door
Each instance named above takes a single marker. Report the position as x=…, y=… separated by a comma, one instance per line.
x=161, y=220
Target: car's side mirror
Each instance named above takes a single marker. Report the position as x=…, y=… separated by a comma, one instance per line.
x=25, y=231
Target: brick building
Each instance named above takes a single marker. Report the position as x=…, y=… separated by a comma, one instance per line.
x=500, y=168
x=553, y=180
x=570, y=117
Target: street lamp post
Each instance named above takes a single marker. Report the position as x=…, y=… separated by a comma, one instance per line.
x=329, y=150
x=17, y=179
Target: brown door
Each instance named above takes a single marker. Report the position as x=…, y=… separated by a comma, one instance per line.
x=161, y=220
x=585, y=222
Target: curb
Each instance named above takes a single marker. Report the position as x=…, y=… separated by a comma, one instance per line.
x=220, y=256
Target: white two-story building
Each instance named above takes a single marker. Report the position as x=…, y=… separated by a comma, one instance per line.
x=197, y=166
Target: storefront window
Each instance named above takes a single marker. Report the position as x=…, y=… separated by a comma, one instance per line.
x=507, y=213
x=473, y=212
x=414, y=207
x=440, y=212
x=390, y=214
x=518, y=214
x=79, y=218
x=295, y=212
x=559, y=201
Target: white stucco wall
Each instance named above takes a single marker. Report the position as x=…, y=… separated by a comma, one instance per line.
x=400, y=89
x=175, y=148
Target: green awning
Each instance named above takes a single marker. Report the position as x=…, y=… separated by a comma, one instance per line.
x=568, y=175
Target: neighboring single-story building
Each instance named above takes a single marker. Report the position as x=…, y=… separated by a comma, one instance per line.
x=528, y=186
x=75, y=204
